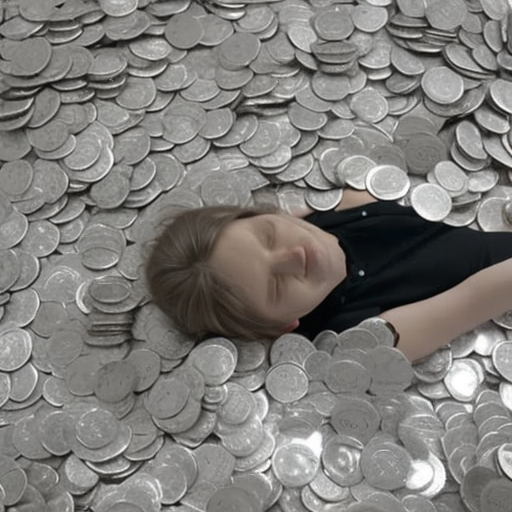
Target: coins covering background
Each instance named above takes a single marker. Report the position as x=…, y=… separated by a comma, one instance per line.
x=114, y=113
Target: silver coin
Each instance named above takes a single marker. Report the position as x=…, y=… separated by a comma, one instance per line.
x=216, y=362
x=503, y=457
x=474, y=482
x=461, y=370
x=391, y=371
x=341, y=459
x=496, y=494
x=501, y=358
x=385, y=466
x=499, y=94
x=442, y=85
x=491, y=216
x=387, y=182
x=346, y=376
x=431, y=202
x=286, y=382
x=327, y=489
x=232, y=499
x=16, y=348
x=451, y=177
x=291, y=347
x=355, y=417
x=295, y=464
x=353, y=170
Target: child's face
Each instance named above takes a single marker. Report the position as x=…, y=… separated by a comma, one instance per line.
x=286, y=265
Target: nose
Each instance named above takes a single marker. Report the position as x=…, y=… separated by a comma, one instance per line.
x=289, y=261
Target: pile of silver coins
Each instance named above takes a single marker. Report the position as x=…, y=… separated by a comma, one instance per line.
x=113, y=112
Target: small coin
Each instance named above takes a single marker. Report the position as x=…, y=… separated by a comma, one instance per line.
x=391, y=371
x=504, y=458
x=295, y=464
x=475, y=480
x=167, y=397
x=239, y=50
x=30, y=57
x=435, y=367
x=422, y=152
x=214, y=463
x=324, y=487
x=97, y=428
x=173, y=482
x=23, y=383
x=147, y=365
x=499, y=90
x=421, y=475
x=237, y=406
x=232, y=499
x=385, y=466
x=353, y=170
x=501, y=357
x=323, y=200
x=50, y=137
x=442, y=85
x=286, y=382
x=10, y=270
x=346, y=376
x=15, y=347
x=496, y=494
x=115, y=381
x=380, y=329
x=451, y=177
x=291, y=347
x=491, y=214
x=462, y=370
x=355, y=417
x=369, y=105
x=316, y=364
x=215, y=361
x=387, y=182
x=341, y=459
x=115, y=8
x=13, y=479
x=431, y=202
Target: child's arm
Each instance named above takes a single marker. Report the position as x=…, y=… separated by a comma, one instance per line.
x=429, y=324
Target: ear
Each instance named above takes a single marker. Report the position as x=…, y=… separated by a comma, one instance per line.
x=292, y=326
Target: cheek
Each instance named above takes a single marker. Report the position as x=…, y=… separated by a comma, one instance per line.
x=301, y=297
x=290, y=222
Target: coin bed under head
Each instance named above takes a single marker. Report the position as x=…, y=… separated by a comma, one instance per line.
x=111, y=110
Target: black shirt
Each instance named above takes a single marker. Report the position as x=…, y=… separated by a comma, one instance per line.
x=395, y=257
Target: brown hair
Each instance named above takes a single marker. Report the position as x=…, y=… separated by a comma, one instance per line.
x=186, y=288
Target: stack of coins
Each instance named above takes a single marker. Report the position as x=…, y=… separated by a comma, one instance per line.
x=114, y=114
x=110, y=301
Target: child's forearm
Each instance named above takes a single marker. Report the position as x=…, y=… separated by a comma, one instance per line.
x=429, y=324
x=492, y=290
